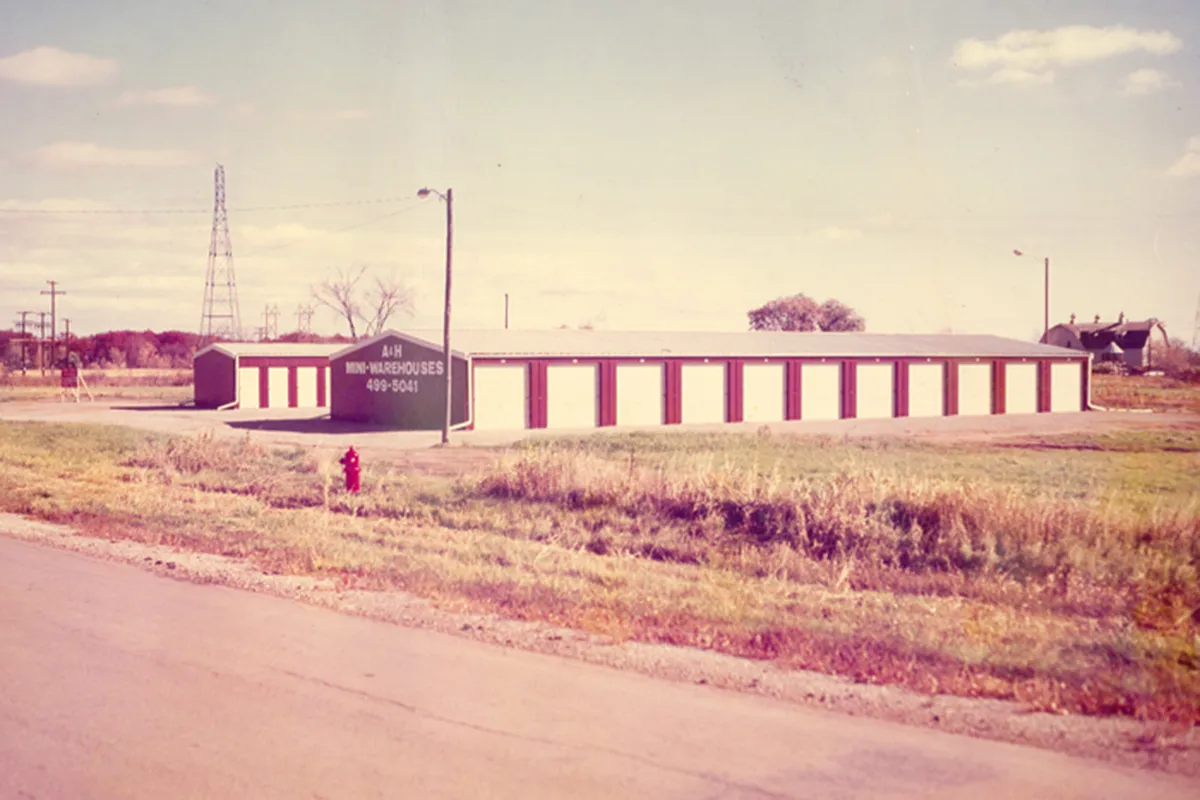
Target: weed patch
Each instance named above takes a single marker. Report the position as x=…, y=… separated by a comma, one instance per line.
x=997, y=572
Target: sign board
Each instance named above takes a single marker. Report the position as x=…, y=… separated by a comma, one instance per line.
x=398, y=382
x=70, y=377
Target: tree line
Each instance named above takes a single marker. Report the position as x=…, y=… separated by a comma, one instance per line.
x=126, y=349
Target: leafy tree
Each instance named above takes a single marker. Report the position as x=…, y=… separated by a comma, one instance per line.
x=834, y=315
x=800, y=312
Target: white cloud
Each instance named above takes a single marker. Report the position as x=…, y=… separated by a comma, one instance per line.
x=1020, y=77
x=178, y=96
x=67, y=155
x=1066, y=46
x=1189, y=164
x=49, y=66
x=332, y=115
x=1012, y=77
x=836, y=234
x=1147, y=81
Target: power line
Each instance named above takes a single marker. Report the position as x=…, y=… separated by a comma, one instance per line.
x=243, y=210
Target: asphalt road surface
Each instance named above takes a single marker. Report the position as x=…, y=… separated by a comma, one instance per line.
x=118, y=683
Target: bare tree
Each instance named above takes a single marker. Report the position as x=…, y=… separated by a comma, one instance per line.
x=372, y=308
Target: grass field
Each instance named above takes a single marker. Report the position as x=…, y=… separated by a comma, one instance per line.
x=1155, y=393
x=145, y=385
x=1061, y=572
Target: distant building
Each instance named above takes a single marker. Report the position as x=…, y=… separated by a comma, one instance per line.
x=1126, y=342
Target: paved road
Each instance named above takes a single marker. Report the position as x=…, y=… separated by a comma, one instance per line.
x=118, y=683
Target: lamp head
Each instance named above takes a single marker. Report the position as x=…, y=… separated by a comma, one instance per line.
x=423, y=193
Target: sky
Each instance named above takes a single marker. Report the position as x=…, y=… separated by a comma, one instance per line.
x=628, y=165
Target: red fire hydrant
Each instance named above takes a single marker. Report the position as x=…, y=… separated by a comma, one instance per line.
x=349, y=463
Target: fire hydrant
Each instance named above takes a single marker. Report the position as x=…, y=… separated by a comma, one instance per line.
x=349, y=463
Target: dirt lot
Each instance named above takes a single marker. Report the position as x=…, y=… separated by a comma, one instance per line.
x=419, y=451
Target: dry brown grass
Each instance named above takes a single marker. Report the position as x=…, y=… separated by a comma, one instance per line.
x=166, y=385
x=979, y=588
x=1153, y=393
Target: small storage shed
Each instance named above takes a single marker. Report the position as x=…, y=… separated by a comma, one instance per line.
x=583, y=379
x=263, y=375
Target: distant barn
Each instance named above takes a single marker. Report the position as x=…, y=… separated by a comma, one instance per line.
x=1125, y=341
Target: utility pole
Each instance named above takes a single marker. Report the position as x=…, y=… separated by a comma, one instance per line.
x=41, y=342
x=1046, y=312
x=54, y=293
x=24, y=340
x=66, y=359
x=449, y=198
x=446, y=322
x=1045, y=299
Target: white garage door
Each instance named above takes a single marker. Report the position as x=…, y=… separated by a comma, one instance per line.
x=703, y=387
x=821, y=391
x=306, y=387
x=277, y=390
x=572, y=392
x=763, y=393
x=639, y=394
x=926, y=389
x=873, y=390
x=1020, y=388
x=500, y=398
x=974, y=389
x=248, y=387
x=1066, y=387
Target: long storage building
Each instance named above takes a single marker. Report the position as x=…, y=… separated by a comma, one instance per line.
x=505, y=380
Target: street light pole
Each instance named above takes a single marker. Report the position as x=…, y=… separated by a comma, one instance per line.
x=1045, y=298
x=449, y=198
x=1046, y=310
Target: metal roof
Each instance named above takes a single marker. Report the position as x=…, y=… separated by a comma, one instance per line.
x=748, y=344
x=281, y=349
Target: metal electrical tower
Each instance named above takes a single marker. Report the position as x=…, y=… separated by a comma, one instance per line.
x=1196, y=327
x=221, y=317
x=270, y=328
x=304, y=315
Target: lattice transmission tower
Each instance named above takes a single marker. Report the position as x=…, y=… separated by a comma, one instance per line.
x=1196, y=327
x=221, y=318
